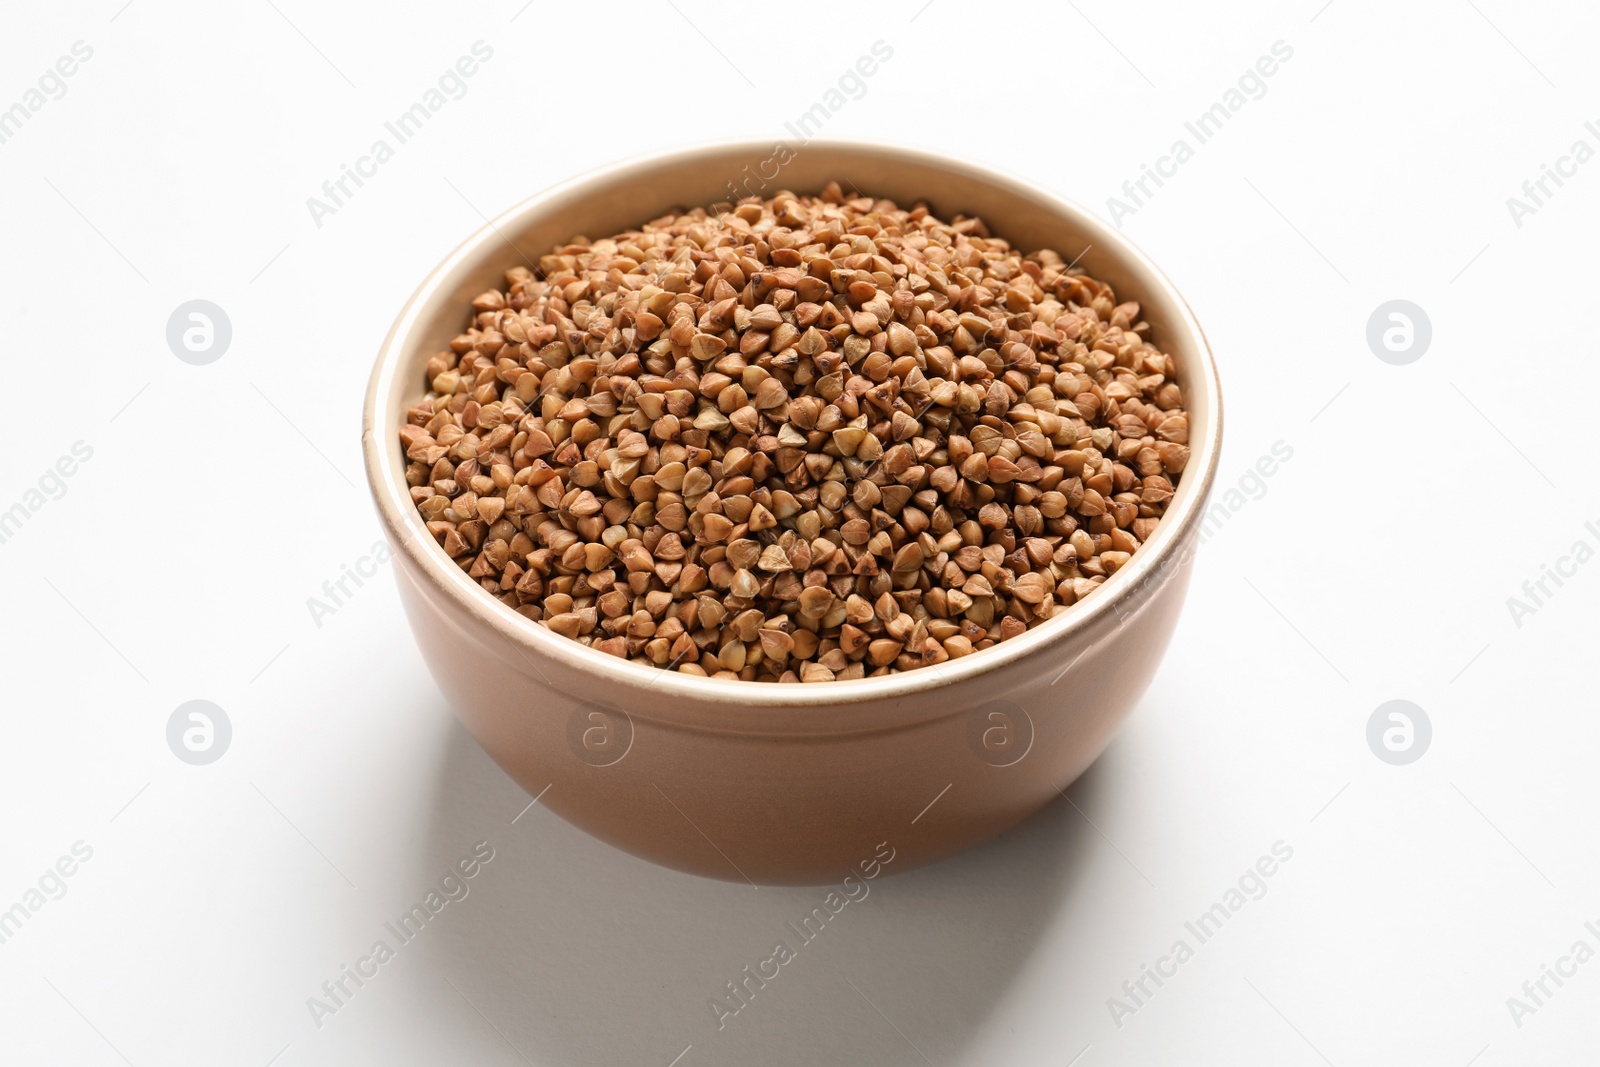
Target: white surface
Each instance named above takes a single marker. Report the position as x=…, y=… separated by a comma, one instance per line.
x=178, y=563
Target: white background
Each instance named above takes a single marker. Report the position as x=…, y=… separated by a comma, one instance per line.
x=1376, y=564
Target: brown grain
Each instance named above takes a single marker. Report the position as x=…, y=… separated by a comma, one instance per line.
x=799, y=439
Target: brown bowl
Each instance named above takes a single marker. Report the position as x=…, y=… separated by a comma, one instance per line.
x=788, y=783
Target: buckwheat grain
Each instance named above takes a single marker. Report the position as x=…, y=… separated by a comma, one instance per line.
x=798, y=439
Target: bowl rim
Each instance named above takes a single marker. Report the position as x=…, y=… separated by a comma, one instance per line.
x=1151, y=564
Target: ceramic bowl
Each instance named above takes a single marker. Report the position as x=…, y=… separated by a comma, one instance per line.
x=789, y=783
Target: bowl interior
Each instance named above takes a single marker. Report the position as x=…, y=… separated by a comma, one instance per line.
x=625, y=196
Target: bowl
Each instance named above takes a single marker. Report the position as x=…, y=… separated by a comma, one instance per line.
x=765, y=782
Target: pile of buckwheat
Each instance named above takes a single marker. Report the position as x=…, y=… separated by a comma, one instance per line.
x=796, y=439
